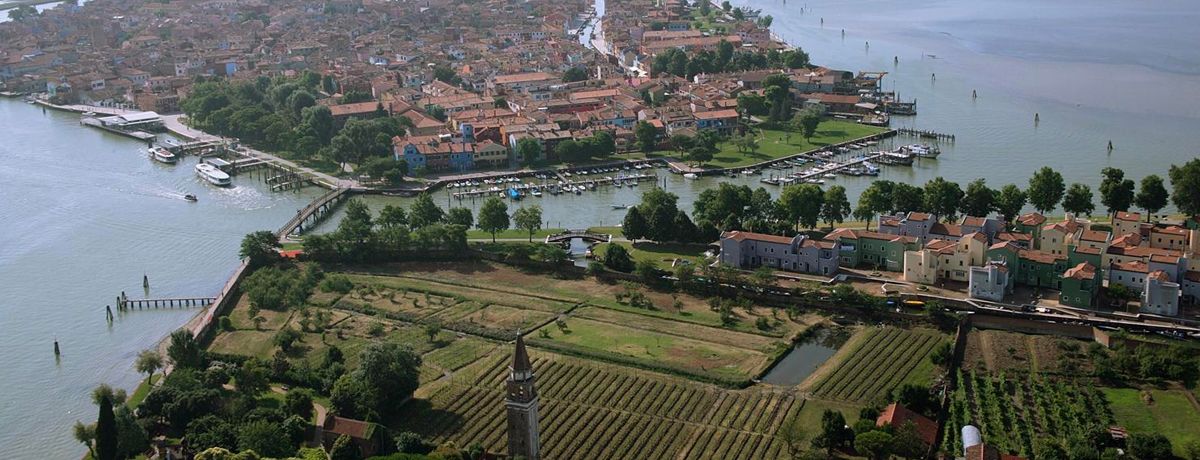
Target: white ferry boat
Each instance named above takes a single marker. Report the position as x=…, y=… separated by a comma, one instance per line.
x=213, y=175
x=162, y=155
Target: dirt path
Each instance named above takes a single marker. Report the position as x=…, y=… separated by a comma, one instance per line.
x=985, y=347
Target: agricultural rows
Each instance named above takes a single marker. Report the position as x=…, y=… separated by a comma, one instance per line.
x=879, y=364
x=1013, y=414
x=600, y=412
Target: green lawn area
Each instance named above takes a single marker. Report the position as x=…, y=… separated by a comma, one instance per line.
x=660, y=253
x=1171, y=414
x=139, y=394
x=697, y=355
x=512, y=233
x=774, y=143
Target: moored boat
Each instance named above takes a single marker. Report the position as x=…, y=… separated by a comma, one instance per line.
x=162, y=155
x=213, y=175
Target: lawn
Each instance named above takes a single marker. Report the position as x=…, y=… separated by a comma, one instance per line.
x=698, y=356
x=662, y=254
x=512, y=234
x=774, y=143
x=1170, y=414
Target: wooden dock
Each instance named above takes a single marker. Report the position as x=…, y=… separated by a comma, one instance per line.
x=140, y=304
x=312, y=214
x=926, y=134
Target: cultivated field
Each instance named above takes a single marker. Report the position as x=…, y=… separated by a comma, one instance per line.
x=1012, y=413
x=874, y=362
x=998, y=351
x=591, y=410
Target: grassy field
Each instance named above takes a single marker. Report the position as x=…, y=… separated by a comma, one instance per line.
x=999, y=351
x=661, y=254
x=774, y=144
x=512, y=234
x=1170, y=413
x=874, y=362
x=591, y=410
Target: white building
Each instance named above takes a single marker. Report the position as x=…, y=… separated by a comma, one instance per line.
x=990, y=281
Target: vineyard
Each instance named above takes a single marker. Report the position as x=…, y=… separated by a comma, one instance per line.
x=1012, y=414
x=882, y=360
x=598, y=411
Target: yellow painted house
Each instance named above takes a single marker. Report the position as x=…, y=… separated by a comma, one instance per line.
x=946, y=260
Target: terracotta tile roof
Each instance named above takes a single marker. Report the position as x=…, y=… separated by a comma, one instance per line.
x=1032, y=218
x=1136, y=266
x=343, y=110
x=1172, y=230
x=918, y=216
x=1094, y=235
x=1083, y=271
x=1128, y=239
x=1160, y=276
x=946, y=229
x=356, y=429
x=896, y=415
x=742, y=236
x=974, y=221
x=863, y=234
x=1013, y=236
x=522, y=78
x=1005, y=245
x=1164, y=258
x=716, y=114
x=1128, y=216
x=1042, y=257
x=1087, y=250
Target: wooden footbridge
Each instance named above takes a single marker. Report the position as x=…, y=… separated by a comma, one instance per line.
x=314, y=212
x=581, y=234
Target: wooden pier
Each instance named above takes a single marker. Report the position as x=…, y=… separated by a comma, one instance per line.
x=140, y=304
x=312, y=214
x=927, y=134
x=551, y=187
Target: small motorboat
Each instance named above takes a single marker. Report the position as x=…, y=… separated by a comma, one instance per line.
x=620, y=206
x=190, y=197
x=162, y=155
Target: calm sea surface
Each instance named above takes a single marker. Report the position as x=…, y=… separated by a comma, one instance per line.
x=84, y=214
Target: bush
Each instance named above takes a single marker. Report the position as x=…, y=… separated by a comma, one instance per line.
x=337, y=283
x=225, y=323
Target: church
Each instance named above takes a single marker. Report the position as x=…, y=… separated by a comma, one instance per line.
x=521, y=400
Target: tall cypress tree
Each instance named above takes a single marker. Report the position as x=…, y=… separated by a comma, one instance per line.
x=106, y=431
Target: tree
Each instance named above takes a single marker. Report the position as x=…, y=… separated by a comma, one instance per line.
x=874, y=444
x=1153, y=195
x=750, y=103
x=906, y=441
x=1045, y=190
x=647, y=136
x=726, y=6
x=942, y=198
x=575, y=74
x=148, y=362
x=184, y=351
x=1009, y=202
x=392, y=216
x=391, y=371
x=906, y=198
x=299, y=402
x=978, y=200
x=617, y=258
x=252, y=379
x=792, y=434
x=875, y=199
x=836, y=206
x=570, y=151
x=264, y=437
x=1116, y=192
x=802, y=204
x=493, y=216
x=424, y=213
x=408, y=442
x=529, y=218
x=529, y=149
x=460, y=216
x=1150, y=446
x=106, y=431
x=261, y=247
x=85, y=434
x=634, y=227
x=806, y=122
x=1078, y=200
x=1185, y=187
x=344, y=449
x=432, y=329
x=834, y=433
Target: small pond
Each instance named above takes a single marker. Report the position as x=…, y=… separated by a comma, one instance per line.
x=806, y=356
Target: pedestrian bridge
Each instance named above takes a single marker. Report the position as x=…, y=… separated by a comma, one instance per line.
x=581, y=234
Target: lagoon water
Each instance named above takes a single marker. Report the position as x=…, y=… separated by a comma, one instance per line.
x=83, y=215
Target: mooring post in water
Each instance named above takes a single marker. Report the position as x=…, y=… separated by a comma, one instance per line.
x=57, y=351
x=108, y=312
x=145, y=281
x=975, y=95
x=1110, y=147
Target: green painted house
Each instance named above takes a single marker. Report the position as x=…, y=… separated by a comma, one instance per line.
x=1030, y=267
x=861, y=248
x=1080, y=285
x=1031, y=224
x=1077, y=255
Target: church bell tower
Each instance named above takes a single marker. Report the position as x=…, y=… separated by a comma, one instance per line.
x=522, y=403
